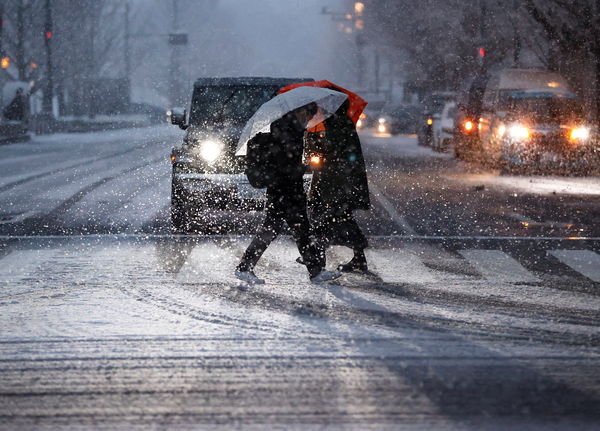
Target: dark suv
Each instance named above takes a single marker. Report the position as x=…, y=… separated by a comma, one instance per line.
x=206, y=172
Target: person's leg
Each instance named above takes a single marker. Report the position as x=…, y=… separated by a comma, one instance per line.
x=297, y=219
x=320, y=225
x=269, y=230
x=358, y=243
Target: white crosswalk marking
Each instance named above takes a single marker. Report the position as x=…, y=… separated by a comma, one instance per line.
x=497, y=265
x=585, y=262
x=399, y=266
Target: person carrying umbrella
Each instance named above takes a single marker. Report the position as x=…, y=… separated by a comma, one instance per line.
x=286, y=198
x=339, y=186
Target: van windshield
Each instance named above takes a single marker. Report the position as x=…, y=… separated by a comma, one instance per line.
x=232, y=104
x=546, y=110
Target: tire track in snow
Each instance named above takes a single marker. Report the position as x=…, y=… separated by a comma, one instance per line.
x=25, y=180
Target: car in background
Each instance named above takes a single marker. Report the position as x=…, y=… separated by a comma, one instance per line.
x=398, y=118
x=431, y=105
x=443, y=127
x=466, y=123
x=206, y=173
x=499, y=99
x=545, y=132
x=369, y=118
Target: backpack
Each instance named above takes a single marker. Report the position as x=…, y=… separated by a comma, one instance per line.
x=260, y=166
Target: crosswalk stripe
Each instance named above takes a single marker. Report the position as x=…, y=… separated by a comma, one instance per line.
x=585, y=262
x=399, y=266
x=495, y=264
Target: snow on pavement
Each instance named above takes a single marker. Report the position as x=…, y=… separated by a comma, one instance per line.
x=400, y=145
x=118, y=288
x=534, y=184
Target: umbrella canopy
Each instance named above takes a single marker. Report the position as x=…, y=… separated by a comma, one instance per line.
x=328, y=101
x=357, y=103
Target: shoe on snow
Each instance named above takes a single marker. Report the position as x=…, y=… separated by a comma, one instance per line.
x=249, y=277
x=353, y=266
x=325, y=276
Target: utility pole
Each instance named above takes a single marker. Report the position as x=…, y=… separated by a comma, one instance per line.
x=127, y=53
x=49, y=88
x=1, y=29
x=127, y=43
x=174, y=80
x=376, y=70
x=596, y=47
x=92, y=82
x=20, y=51
x=482, y=36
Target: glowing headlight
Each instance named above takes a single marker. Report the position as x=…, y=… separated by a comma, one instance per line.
x=381, y=120
x=359, y=123
x=210, y=150
x=579, y=134
x=381, y=128
x=501, y=130
x=518, y=131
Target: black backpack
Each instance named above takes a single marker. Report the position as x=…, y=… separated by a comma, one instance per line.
x=260, y=165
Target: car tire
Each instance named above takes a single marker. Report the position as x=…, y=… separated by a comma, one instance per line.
x=180, y=212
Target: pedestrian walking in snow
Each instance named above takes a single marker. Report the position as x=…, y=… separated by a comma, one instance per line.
x=338, y=188
x=286, y=200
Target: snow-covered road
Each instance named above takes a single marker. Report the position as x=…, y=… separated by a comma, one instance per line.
x=108, y=321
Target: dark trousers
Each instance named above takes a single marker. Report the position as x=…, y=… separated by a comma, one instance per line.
x=337, y=226
x=285, y=206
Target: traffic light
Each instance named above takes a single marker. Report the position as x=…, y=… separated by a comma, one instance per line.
x=48, y=35
x=481, y=52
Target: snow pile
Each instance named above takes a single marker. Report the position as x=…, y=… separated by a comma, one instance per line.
x=540, y=185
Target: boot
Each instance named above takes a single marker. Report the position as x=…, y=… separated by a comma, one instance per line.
x=357, y=263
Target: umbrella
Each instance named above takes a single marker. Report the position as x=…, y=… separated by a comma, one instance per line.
x=357, y=103
x=328, y=102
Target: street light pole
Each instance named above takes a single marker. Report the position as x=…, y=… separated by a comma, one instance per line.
x=127, y=43
x=49, y=88
x=174, y=78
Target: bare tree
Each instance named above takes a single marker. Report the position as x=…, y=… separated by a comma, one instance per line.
x=444, y=41
x=572, y=34
x=22, y=43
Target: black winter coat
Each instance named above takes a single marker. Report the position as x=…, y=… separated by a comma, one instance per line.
x=342, y=180
x=288, y=147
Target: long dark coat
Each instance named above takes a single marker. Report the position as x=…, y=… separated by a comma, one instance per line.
x=342, y=180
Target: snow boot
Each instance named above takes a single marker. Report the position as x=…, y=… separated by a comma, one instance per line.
x=358, y=263
x=325, y=276
x=249, y=277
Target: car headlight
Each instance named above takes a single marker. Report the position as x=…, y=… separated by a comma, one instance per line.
x=501, y=130
x=210, y=150
x=579, y=134
x=518, y=131
x=381, y=120
x=381, y=128
x=359, y=123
